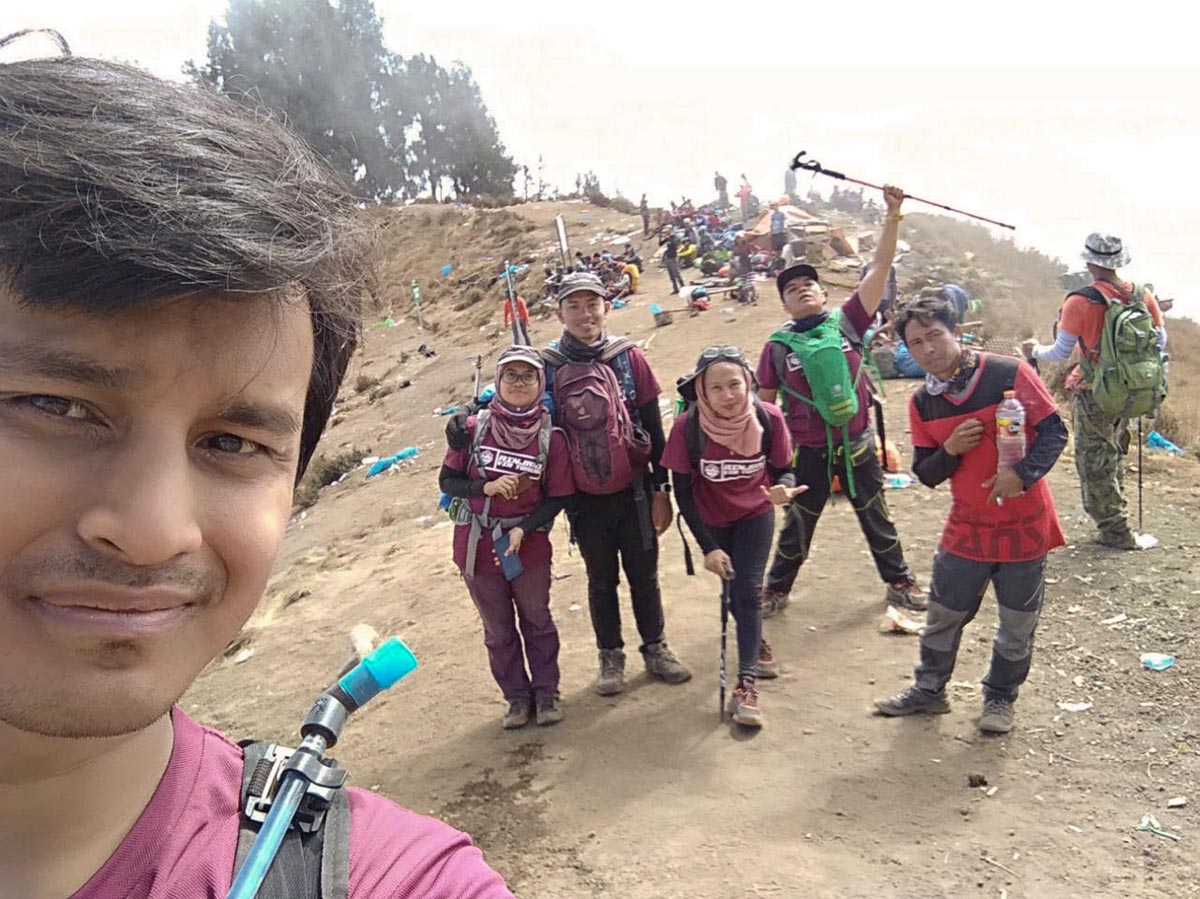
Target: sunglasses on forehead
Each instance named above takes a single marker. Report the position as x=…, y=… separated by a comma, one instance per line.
x=724, y=352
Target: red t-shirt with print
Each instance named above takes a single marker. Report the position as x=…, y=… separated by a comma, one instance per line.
x=1025, y=527
x=726, y=486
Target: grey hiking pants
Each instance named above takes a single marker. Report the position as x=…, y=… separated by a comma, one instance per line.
x=955, y=594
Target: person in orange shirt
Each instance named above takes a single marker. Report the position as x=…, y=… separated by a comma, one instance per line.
x=521, y=335
x=1100, y=439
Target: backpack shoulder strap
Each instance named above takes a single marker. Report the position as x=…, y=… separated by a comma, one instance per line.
x=694, y=437
x=1092, y=294
x=552, y=356
x=768, y=425
x=615, y=347
x=544, y=436
x=481, y=426
x=308, y=865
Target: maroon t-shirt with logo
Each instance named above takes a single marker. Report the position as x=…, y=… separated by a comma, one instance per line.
x=552, y=479
x=1025, y=527
x=806, y=424
x=183, y=844
x=726, y=486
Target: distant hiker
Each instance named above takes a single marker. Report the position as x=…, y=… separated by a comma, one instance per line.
x=171, y=348
x=779, y=236
x=512, y=479
x=605, y=397
x=730, y=456
x=744, y=193
x=958, y=298
x=722, y=187
x=644, y=208
x=670, y=242
x=814, y=367
x=1115, y=381
x=522, y=319
x=789, y=184
x=581, y=262
x=1002, y=522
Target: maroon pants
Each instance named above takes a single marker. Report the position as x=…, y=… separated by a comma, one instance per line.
x=502, y=606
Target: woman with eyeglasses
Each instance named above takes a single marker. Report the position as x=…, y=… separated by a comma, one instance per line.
x=730, y=458
x=508, y=485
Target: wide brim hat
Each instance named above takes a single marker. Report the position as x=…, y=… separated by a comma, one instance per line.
x=1105, y=250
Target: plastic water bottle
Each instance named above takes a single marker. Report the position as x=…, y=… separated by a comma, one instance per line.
x=1010, y=431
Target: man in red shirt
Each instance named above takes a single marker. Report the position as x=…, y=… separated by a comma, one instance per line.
x=180, y=286
x=1002, y=522
x=1100, y=439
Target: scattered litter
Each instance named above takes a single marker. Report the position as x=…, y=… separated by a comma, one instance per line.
x=1074, y=610
x=1157, y=661
x=1083, y=579
x=388, y=322
x=1075, y=706
x=424, y=521
x=1156, y=440
x=1074, y=829
x=243, y=655
x=1078, y=680
x=992, y=792
x=896, y=622
x=1116, y=619
x=384, y=464
x=1149, y=824
x=1177, y=802
x=426, y=350
x=976, y=780
x=898, y=482
x=574, y=607
x=1145, y=541
x=370, y=460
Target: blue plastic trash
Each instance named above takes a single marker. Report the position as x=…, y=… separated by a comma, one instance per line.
x=1158, y=441
x=384, y=464
x=1157, y=661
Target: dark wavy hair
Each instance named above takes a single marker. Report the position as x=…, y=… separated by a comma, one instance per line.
x=118, y=188
x=926, y=310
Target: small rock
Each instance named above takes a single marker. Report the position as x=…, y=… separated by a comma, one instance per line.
x=1177, y=802
x=976, y=780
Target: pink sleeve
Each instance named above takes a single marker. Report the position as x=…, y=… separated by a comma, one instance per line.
x=920, y=436
x=675, y=454
x=856, y=315
x=1033, y=395
x=396, y=854
x=781, y=438
x=559, y=479
x=645, y=385
x=765, y=373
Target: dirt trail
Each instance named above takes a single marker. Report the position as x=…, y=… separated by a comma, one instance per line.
x=646, y=794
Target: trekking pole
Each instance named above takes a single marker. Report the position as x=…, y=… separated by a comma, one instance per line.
x=307, y=769
x=512, y=300
x=478, y=372
x=817, y=169
x=725, y=579
x=1139, y=474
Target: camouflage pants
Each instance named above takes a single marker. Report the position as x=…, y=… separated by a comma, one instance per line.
x=1101, y=441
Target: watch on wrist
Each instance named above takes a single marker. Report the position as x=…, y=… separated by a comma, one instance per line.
x=663, y=488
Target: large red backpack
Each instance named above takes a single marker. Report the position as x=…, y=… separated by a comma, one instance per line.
x=608, y=450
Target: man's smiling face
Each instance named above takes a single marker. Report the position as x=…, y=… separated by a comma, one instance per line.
x=147, y=461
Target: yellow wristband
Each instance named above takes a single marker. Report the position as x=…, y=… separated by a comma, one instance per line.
x=895, y=218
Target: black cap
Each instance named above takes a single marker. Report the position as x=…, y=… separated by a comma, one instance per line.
x=799, y=270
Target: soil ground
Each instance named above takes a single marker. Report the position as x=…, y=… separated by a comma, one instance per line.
x=647, y=794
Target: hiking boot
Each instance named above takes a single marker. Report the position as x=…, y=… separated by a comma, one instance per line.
x=517, y=714
x=766, y=667
x=774, y=601
x=548, y=711
x=661, y=663
x=906, y=593
x=743, y=704
x=997, y=717
x=611, y=679
x=1122, y=539
x=912, y=700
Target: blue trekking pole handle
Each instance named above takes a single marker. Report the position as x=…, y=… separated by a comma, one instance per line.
x=384, y=667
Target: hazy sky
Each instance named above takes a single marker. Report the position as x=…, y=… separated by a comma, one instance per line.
x=1021, y=111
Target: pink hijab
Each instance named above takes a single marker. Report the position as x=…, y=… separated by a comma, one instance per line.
x=742, y=434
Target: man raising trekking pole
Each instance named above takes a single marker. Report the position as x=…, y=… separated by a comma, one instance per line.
x=814, y=368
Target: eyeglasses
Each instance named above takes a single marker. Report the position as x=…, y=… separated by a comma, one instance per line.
x=519, y=377
x=724, y=352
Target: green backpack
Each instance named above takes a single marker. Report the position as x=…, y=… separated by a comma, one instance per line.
x=1129, y=379
x=834, y=392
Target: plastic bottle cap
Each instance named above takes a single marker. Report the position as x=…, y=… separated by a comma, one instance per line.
x=390, y=662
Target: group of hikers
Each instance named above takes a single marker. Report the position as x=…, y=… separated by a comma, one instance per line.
x=577, y=427
x=170, y=358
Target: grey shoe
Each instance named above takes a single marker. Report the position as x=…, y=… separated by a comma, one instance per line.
x=906, y=593
x=997, y=717
x=661, y=663
x=766, y=667
x=773, y=602
x=518, y=714
x=912, y=700
x=1122, y=539
x=548, y=711
x=611, y=678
